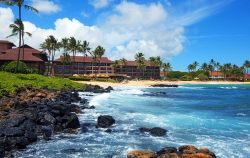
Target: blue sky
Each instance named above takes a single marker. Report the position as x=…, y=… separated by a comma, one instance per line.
x=180, y=31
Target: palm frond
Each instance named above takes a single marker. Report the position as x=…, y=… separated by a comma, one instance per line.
x=14, y=34
x=31, y=8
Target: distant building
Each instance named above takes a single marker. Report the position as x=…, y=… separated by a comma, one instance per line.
x=83, y=65
x=32, y=57
x=131, y=70
x=106, y=68
x=216, y=75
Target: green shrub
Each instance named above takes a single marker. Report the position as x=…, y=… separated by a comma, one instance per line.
x=175, y=74
x=23, y=68
x=202, y=77
x=74, y=78
x=186, y=78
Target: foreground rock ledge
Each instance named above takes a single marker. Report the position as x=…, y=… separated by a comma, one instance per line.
x=186, y=151
x=29, y=113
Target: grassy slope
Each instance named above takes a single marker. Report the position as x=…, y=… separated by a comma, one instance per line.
x=10, y=81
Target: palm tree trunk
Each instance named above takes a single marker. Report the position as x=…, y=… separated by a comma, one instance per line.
x=20, y=38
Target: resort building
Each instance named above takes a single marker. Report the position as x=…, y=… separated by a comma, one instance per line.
x=216, y=75
x=83, y=66
x=32, y=57
x=103, y=68
x=131, y=70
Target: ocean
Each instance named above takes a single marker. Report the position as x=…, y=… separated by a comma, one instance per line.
x=212, y=116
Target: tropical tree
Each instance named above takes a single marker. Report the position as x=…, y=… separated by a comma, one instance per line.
x=166, y=67
x=50, y=45
x=19, y=4
x=16, y=27
x=195, y=65
x=191, y=67
x=74, y=47
x=65, y=60
x=246, y=65
x=97, y=55
x=140, y=60
x=85, y=49
x=123, y=61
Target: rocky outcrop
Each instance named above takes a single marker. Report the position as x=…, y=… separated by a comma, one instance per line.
x=97, y=89
x=156, y=131
x=29, y=113
x=186, y=151
x=141, y=154
x=164, y=85
x=105, y=121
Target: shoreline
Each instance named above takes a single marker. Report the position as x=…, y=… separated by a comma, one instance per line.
x=147, y=83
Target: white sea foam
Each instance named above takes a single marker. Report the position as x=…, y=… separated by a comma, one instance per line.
x=228, y=87
x=241, y=114
x=97, y=100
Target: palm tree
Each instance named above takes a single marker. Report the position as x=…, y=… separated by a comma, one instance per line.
x=74, y=46
x=123, y=61
x=195, y=64
x=85, y=50
x=191, y=67
x=140, y=60
x=16, y=27
x=66, y=60
x=19, y=4
x=166, y=67
x=51, y=45
x=99, y=52
x=246, y=65
x=115, y=64
x=153, y=62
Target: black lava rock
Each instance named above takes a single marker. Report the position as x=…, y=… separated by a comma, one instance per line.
x=105, y=121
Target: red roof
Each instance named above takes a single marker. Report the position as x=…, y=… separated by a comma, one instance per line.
x=30, y=54
x=7, y=42
x=247, y=76
x=80, y=59
x=216, y=74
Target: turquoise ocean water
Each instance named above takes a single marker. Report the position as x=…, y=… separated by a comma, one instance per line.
x=213, y=116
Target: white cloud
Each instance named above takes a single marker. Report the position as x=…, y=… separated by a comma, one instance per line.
x=45, y=6
x=98, y=4
x=128, y=29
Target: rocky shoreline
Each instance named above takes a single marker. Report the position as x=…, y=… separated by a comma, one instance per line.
x=30, y=114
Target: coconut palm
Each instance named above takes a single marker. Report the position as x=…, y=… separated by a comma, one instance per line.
x=74, y=47
x=97, y=55
x=19, y=4
x=195, y=64
x=16, y=27
x=123, y=61
x=65, y=60
x=51, y=45
x=191, y=67
x=166, y=67
x=140, y=60
x=85, y=49
x=246, y=65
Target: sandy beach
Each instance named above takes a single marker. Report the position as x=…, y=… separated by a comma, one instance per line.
x=150, y=82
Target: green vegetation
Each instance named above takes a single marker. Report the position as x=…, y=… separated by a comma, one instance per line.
x=23, y=68
x=10, y=81
x=78, y=78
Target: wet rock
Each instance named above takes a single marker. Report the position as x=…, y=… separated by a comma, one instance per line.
x=187, y=149
x=164, y=85
x=105, y=121
x=47, y=132
x=50, y=119
x=169, y=155
x=141, y=154
x=72, y=121
x=2, y=152
x=156, y=131
x=207, y=152
x=108, y=130
x=167, y=150
x=109, y=88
